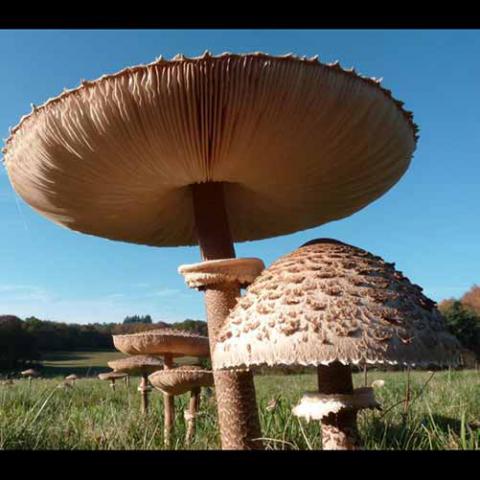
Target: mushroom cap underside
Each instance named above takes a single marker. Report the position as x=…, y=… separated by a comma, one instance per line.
x=112, y=375
x=137, y=364
x=295, y=143
x=177, y=381
x=328, y=301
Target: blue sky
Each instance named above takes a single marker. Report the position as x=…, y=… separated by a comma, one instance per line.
x=428, y=223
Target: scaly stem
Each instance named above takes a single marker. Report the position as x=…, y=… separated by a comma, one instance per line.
x=168, y=405
x=235, y=391
x=144, y=392
x=193, y=406
x=339, y=430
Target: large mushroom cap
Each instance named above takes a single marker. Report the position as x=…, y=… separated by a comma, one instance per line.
x=112, y=375
x=165, y=341
x=296, y=143
x=178, y=381
x=329, y=301
x=139, y=364
x=30, y=373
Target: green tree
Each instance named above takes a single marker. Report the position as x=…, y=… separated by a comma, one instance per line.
x=16, y=344
x=138, y=319
x=464, y=323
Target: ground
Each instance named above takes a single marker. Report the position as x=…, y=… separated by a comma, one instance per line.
x=444, y=411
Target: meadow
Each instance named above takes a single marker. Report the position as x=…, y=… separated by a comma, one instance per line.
x=443, y=412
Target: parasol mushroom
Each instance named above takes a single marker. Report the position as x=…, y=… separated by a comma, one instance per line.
x=72, y=378
x=30, y=373
x=331, y=305
x=112, y=376
x=142, y=365
x=180, y=380
x=168, y=343
x=209, y=151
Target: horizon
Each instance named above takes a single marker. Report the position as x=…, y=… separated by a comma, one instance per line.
x=425, y=223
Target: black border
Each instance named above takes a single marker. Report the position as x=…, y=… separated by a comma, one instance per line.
x=230, y=464
x=281, y=18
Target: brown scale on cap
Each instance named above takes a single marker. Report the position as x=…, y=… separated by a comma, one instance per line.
x=367, y=313
x=138, y=364
x=165, y=341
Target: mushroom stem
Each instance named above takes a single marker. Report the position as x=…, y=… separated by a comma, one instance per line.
x=235, y=391
x=339, y=430
x=168, y=406
x=112, y=384
x=193, y=407
x=144, y=392
x=407, y=392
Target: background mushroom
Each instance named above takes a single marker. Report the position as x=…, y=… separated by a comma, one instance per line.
x=331, y=305
x=142, y=365
x=30, y=373
x=182, y=152
x=112, y=376
x=72, y=378
x=180, y=380
x=168, y=343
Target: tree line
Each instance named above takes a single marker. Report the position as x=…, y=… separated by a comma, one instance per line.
x=24, y=341
x=463, y=318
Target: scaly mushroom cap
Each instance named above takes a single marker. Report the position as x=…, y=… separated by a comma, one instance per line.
x=138, y=364
x=114, y=157
x=178, y=381
x=112, y=375
x=329, y=301
x=163, y=341
x=30, y=373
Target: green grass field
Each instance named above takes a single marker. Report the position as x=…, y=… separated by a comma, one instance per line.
x=444, y=412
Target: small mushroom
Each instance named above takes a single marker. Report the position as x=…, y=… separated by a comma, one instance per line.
x=168, y=343
x=72, y=378
x=30, y=373
x=138, y=365
x=343, y=333
x=112, y=376
x=180, y=380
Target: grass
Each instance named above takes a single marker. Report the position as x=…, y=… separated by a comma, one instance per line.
x=444, y=412
x=84, y=363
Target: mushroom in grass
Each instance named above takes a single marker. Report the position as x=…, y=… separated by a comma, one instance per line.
x=72, y=378
x=180, y=380
x=331, y=305
x=142, y=365
x=168, y=343
x=211, y=151
x=30, y=373
x=112, y=376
